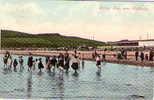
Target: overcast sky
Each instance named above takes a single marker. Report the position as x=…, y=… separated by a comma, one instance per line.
x=105, y=21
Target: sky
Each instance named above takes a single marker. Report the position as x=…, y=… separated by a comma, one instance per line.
x=103, y=21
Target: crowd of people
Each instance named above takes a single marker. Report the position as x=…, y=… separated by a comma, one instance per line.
x=143, y=56
x=138, y=55
x=62, y=62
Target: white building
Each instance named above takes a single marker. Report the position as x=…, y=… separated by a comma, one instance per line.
x=146, y=42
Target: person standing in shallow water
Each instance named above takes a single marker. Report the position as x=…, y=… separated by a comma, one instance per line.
x=30, y=62
x=5, y=58
x=61, y=64
x=75, y=64
x=67, y=62
x=54, y=63
x=21, y=61
x=47, y=58
x=15, y=63
x=9, y=62
x=83, y=62
x=40, y=65
x=98, y=63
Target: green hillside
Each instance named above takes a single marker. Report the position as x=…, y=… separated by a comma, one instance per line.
x=14, y=39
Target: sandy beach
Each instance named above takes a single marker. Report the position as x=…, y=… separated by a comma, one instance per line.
x=87, y=55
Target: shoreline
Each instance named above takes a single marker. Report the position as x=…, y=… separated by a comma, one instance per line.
x=87, y=55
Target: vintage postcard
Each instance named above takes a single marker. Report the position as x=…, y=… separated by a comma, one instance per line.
x=76, y=50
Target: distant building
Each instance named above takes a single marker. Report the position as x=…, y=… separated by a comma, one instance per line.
x=133, y=43
x=146, y=42
x=125, y=43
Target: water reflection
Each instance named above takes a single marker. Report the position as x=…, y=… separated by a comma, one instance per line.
x=29, y=85
x=61, y=89
x=152, y=69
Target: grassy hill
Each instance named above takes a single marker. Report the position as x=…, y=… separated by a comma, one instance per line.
x=14, y=39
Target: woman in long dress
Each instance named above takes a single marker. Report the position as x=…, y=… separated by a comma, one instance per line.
x=30, y=63
x=98, y=63
x=40, y=65
x=53, y=63
x=9, y=62
x=67, y=62
x=15, y=63
x=61, y=64
x=75, y=63
x=5, y=58
x=21, y=61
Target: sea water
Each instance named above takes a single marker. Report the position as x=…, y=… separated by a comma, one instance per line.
x=115, y=82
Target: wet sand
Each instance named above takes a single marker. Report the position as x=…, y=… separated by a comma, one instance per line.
x=87, y=55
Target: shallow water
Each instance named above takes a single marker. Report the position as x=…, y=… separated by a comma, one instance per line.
x=116, y=82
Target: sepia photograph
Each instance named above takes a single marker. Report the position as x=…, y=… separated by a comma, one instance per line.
x=76, y=50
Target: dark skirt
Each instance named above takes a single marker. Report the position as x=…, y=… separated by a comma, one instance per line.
x=98, y=63
x=75, y=66
x=5, y=60
x=66, y=66
x=61, y=63
x=40, y=66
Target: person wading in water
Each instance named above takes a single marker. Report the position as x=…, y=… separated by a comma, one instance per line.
x=53, y=63
x=9, y=62
x=75, y=64
x=21, y=61
x=61, y=64
x=40, y=65
x=5, y=58
x=15, y=63
x=30, y=62
x=98, y=64
x=67, y=62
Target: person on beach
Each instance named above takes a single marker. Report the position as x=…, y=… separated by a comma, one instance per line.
x=125, y=54
x=75, y=64
x=9, y=62
x=142, y=56
x=147, y=57
x=98, y=63
x=15, y=63
x=30, y=62
x=5, y=58
x=21, y=61
x=40, y=65
x=151, y=55
x=136, y=55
